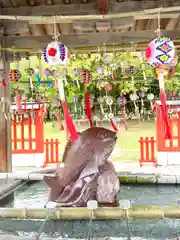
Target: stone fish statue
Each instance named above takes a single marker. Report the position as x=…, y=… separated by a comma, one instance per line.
x=87, y=173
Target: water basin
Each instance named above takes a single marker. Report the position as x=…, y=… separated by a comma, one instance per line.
x=35, y=195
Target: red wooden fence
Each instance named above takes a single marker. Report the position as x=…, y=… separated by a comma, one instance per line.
x=51, y=150
x=27, y=134
x=147, y=151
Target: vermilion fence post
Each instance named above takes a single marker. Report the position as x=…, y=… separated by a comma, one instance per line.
x=147, y=151
x=30, y=131
x=51, y=160
x=15, y=133
x=22, y=131
x=51, y=148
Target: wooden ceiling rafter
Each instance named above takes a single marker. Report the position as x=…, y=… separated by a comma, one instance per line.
x=88, y=39
x=111, y=21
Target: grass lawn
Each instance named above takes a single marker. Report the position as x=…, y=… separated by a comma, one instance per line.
x=127, y=139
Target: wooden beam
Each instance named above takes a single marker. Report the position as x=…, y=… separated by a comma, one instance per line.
x=87, y=39
x=172, y=23
x=92, y=8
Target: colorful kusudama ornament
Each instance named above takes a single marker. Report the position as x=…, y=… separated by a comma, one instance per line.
x=56, y=53
x=160, y=54
x=14, y=75
x=160, y=51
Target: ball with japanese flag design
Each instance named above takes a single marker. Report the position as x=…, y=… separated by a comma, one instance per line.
x=56, y=53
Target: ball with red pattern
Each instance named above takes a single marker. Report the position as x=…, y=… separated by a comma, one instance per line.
x=56, y=53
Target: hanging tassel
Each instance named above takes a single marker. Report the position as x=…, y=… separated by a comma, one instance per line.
x=172, y=71
x=87, y=102
x=18, y=102
x=67, y=117
x=164, y=109
x=61, y=128
x=49, y=83
x=38, y=79
x=88, y=109
x=113, y=125
x=69, y=122
x=113, y=76
x=3, y=82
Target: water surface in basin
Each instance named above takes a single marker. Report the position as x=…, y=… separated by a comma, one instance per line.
x=36, y=195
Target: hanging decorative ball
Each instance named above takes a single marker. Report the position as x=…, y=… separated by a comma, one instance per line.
x=131, y=70
x=121, y=101
x=110, y=115
x=30, y=71
x=109, y=101
x=14, y=75
x=100, y=70
x=108, y=87
x=160, y=51
x=150, y=96
x=106, y=59
x=133, y=97
x=56, y=53
x=47, y=72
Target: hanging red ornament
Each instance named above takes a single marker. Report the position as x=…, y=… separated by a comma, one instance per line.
x=52, y=52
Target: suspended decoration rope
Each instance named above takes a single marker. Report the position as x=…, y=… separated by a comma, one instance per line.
x=160, y=54
x=57, y=54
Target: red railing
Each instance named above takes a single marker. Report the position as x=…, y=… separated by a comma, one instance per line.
x=51, y=150
x=27, y=135
x=147, y=151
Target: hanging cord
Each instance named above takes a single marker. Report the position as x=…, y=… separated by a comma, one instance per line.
x=56, y=35
x=158, y=31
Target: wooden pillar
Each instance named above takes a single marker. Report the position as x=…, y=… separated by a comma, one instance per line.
x=5, y=121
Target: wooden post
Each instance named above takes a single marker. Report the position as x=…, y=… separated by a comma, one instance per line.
x=5, y=121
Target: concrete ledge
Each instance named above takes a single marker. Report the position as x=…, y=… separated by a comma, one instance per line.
x=149, y=179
